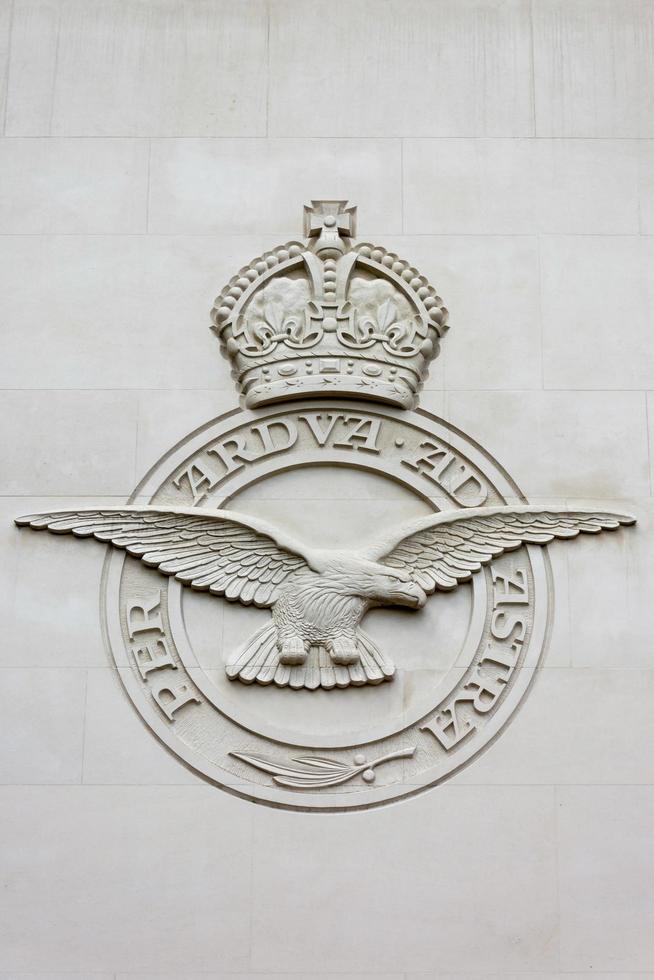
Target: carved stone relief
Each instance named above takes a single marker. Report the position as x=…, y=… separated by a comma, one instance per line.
x=329, y=316
x=278, y=718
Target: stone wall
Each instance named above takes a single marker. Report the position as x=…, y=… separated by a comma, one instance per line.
x=152, y=148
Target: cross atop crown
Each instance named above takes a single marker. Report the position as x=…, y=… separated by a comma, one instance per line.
x=330, y=222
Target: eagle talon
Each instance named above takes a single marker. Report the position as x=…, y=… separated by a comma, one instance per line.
x=344, y=651
x=293, y=651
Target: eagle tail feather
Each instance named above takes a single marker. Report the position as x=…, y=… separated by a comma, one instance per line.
x=258, y=661
x=371, y=654
x=253, y=659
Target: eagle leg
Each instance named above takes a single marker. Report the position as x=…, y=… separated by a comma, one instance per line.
x=292, y=650
x=343, y=650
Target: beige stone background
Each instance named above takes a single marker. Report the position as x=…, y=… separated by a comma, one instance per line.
x=152, y=148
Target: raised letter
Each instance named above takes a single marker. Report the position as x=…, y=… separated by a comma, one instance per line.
x=368, y=438
x=503, y=623
x=145, y=609
x=197, y=477
x=170, y=700
x=446, y=726
x=313, y=421
x=229, y=455
x=153, y=656
x=517, y=582
x=463, y=479
x=436, y=455
x=488, y=690
x=435, y=465
x=503, y=656
x=264, y=431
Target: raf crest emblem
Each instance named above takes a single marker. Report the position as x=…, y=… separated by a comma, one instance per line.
x=330, y=342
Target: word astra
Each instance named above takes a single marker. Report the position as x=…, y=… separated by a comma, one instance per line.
x=490, y=675
x=339, y=433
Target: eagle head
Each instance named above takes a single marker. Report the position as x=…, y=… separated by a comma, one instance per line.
x=373, y=581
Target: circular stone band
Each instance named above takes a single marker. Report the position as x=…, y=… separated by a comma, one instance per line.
x=500, y=654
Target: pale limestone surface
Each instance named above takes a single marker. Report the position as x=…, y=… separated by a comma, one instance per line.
x=588, y=866
x=593, y=68
x=619, y=310
x=137, y=69
x=162, y=326
x=360, y=976
x=454, y=69
x=86, y=446
x=113, y=730
x=646, y=177
x=190, y=844
x=75, y=187
x=44, y=715
x=563, y=443
x=521, y=186
x=520, y=821
x=149, y=151
x=241, y=187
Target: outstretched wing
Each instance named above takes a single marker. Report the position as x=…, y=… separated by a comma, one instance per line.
x=443, y=550
x=219, y=551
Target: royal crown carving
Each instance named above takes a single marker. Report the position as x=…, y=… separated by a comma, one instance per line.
x=329, y=317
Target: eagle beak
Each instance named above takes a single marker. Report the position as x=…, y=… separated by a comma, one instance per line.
x=409, y=594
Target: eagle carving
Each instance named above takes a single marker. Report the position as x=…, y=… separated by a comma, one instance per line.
x=317, y=596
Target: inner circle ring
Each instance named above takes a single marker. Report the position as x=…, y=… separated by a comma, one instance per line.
x=209, y=756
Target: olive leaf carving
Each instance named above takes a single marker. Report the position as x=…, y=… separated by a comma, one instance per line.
x=317, y=772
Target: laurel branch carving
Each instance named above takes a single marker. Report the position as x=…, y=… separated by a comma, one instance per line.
x=316, y=772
